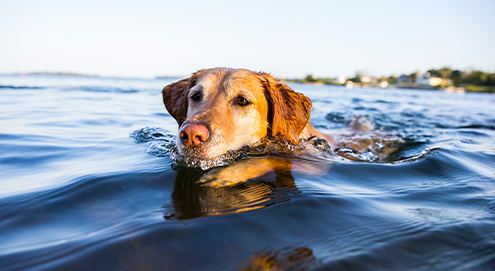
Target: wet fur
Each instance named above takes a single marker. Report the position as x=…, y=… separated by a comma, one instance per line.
x=274, y=109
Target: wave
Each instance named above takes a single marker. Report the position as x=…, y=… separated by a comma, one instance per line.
x=19, y=87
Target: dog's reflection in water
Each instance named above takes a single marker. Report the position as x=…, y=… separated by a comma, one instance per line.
x=254, y=183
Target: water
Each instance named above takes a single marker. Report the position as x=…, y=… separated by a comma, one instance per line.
x=87, y=183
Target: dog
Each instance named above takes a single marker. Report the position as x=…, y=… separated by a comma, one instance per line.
x=224, y=109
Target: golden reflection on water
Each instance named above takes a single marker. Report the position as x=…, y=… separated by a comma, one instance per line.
x=290, y=258
x=191, y=199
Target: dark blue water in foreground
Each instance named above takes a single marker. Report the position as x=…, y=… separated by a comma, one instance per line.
x=80, y=189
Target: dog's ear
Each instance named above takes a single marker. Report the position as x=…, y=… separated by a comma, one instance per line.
x=175, y=99
x=289, y=110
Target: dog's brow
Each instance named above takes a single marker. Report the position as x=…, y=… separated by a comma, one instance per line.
x=240, y=82
x=196, y=87
x=209, y=81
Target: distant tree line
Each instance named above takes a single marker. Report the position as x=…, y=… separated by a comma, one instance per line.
x=462, y=78
x=473, y=80
x=312, y=80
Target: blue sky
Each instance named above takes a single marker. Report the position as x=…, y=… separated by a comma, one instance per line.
x=287, y=38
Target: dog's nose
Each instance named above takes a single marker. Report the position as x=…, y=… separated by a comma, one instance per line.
x=194, y=134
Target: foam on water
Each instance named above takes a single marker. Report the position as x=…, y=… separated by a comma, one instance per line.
x=162, y=143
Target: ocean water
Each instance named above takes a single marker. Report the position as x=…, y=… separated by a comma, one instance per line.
x=87, y=183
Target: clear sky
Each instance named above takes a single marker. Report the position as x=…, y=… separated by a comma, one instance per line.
x=287, y=38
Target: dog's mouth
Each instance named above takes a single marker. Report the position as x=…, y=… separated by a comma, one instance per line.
x=192, y=151
x=203, y=157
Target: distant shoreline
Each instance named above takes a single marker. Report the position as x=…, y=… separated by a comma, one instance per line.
x=470, y=88
x=56, y=73
x=349, y=83
x=444, y=79
x=82, y=75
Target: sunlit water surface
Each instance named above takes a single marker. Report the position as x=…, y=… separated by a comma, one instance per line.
x=87, y=182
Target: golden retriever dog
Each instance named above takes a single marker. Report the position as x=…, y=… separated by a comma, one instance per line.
x=224, y=109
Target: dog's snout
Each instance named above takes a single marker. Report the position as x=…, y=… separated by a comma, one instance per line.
x=194, y=134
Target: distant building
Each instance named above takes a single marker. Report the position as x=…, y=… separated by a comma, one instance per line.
x=403, y=79
x=366, y=79
x=427, y=80
x=340, y=79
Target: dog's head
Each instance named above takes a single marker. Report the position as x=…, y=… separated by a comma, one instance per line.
x=224, y=109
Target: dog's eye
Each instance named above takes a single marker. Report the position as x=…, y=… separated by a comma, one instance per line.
x=242, y=101
x=196, y=97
